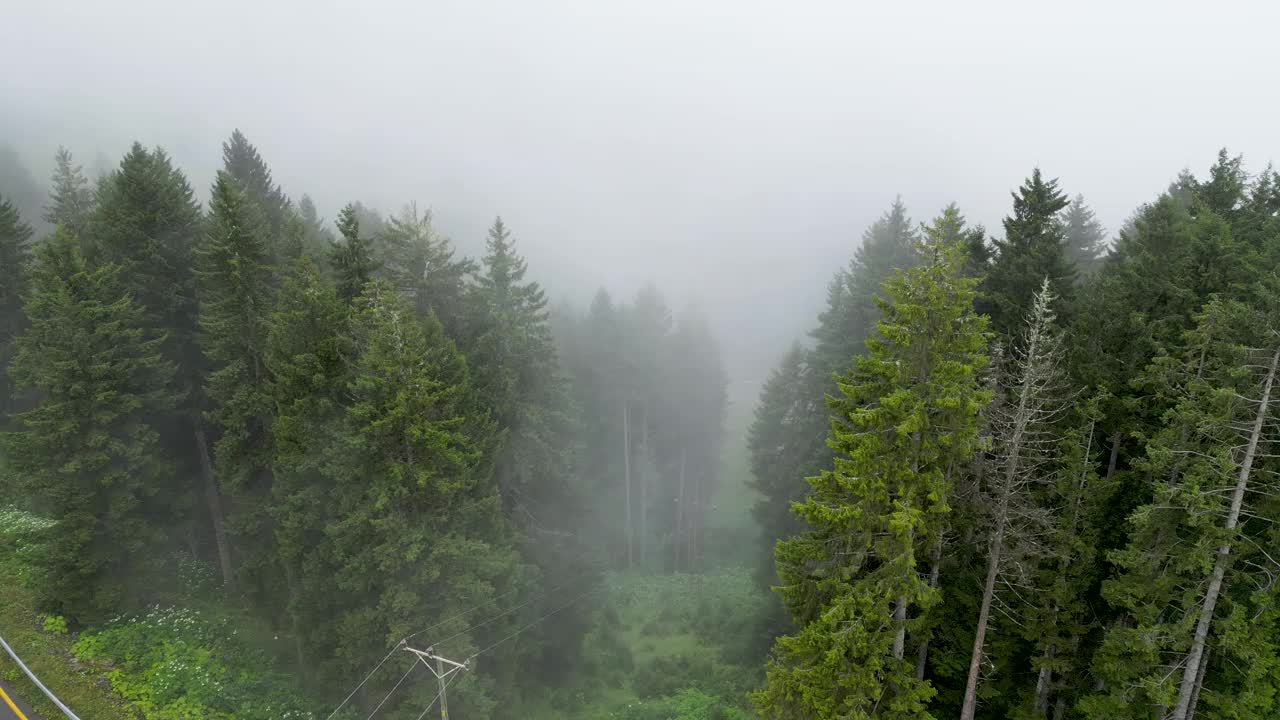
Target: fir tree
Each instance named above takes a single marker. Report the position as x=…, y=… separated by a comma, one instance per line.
x=352, y=257
x=14, y=255
x=1033, y=248
x=88, y=454
x=908, y=413
x=70, y=199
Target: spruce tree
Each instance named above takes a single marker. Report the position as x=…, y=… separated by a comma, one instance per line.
x=420, y=264
x=307, y=344
x=241, y=160
x=351, y=257
x=235, y=303
x=88, y=454
x=15, y=252
x=850, y=318
x=1085, y=238
x=907, y=414
x=70, y=199
x=418, y=532
x=1032, y=249
x=1196, y=579
x=777, y=442
x=147, y=223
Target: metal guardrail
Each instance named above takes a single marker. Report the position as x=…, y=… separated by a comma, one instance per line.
x=53, y=698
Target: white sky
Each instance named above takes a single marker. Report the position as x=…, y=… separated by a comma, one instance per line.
x=728, y=150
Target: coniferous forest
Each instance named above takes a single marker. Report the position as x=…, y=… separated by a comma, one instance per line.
x=252, y=458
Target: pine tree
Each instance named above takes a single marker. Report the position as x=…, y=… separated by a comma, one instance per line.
x=908, y=413
x=14, y=255
x=235, y=303
x=70, y=199
x=1084, y=237
x=1033, y=248
x=352, y=257
x=87, y=453
x=241, y=161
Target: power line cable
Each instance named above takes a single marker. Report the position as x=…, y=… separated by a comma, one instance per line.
x=536, y=596
x=362, y=682
x=395, y=687
x=535, y=622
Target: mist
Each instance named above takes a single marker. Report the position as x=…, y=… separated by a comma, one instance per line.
x=730, y=152
x=642, y=360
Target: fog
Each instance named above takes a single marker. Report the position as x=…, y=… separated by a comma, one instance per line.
x=731, y=152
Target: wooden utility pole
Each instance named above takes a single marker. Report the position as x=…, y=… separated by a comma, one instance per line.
x=443, y=668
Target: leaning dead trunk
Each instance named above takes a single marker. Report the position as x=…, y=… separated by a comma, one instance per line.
x=1191, y=671
x=213, y=500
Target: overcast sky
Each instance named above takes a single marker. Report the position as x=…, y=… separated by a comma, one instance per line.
x=728, y=150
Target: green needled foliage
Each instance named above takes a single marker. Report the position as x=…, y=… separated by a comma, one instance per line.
x=908, y=413
x=417, y=530
x=420, y=264
x=351, y=257
x=235, y=301
x=1196, y=579
x=241, y=160
x=1033, y=248
x=1085, y=240
x=88, y=455
x=70, y=199
x=15, y=252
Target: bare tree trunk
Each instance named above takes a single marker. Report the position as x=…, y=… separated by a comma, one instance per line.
x=644, y=484
x=1191, y=672
x=1195, y=695
x=984, y=614
x=679, y=524
x=213, y=499
x=626, y=475
x=292, y=579
x=1060, y=708
x=900, y=622
x=1042, y=685
x=1115, y=453
x=935, y=562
